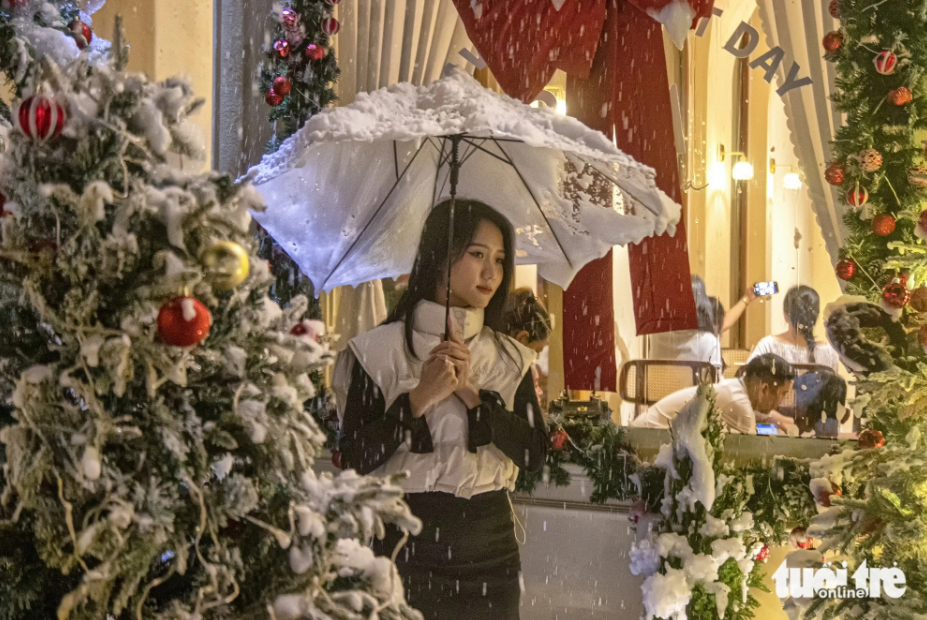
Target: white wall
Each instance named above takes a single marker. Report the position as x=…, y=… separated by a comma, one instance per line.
x=167, y=38
x=793, y=261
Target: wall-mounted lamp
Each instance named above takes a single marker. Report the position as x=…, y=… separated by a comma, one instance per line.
x=743, y=171
x=792, y=180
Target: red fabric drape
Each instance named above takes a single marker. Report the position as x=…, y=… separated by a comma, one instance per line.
x=525, y=41
x=627, y=94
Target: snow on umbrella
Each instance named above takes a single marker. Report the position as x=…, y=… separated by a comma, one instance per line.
x=348, y=194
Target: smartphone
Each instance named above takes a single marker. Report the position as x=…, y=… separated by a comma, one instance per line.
x=762, y=289
x=766, y=429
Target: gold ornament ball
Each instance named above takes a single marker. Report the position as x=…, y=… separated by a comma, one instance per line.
x=227, y=264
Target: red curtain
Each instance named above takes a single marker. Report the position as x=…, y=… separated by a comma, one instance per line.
x=627, y=95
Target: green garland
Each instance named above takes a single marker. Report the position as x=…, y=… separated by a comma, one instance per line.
x=777, y=493
x=602, y=450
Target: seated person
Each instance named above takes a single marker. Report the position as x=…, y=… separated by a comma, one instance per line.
x=743, y=402
x=819, y=397
x=798, y=345
x=695, y=345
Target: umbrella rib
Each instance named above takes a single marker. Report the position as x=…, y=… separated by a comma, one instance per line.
x=396, y=160
x=490, y=153
x=616, y=184
x=441, y=162
x=375, y=213
x=536, y=203
x=469, y=152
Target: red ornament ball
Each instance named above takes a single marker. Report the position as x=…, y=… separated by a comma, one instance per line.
x=273, y=98
x=637, y=511
x=869, y=160
x=336, y=458
x=918, y=301
x=81, y=33
x=872, y=525
x=558, y=440
x=823, y=495
x=917, y=176
x=41, y=117
x=763, y=554
x=308, y=328
x=833, y=41
x=315, y=52
x=834, y=9
x=289, y=19
x=282, y=86
x=883, y=224
x=857, y=197
x=845, y=269
x=44, y=246
x=885, y=63
x=330, y=26
x=900, y=95
x=183, y=322
x=800, y=539
x=834, y=173
x=282, y=48
x=870, y=439
x=896, y=294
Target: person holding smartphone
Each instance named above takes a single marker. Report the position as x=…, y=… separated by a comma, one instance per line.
x=798, y=345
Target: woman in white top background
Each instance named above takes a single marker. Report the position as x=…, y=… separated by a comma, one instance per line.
x=801, y=306
x=697, y=345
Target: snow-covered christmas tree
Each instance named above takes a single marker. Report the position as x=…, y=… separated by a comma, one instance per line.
x=158, y=456
x=873, y=500
x=700, y=561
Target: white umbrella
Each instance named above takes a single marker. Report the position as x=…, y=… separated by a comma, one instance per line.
x=348, y=194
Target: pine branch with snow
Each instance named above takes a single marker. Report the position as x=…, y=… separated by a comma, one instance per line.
x=158, y=457
x=699, y=562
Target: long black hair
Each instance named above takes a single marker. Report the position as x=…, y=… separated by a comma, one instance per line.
x=802, y=306
x=708, y=310
x=429, y=271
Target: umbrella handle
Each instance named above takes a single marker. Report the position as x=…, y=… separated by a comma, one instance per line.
x=455, y=176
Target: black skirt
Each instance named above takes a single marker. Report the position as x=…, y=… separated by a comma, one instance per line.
x=464, y=565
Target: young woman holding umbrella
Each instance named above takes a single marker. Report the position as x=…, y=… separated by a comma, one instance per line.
x=458, y=413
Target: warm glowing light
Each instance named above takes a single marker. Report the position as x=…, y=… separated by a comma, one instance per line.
x=717, y=175
x=791, y=181
x=743, y=171
x=561, y=107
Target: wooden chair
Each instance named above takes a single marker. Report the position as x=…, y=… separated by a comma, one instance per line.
x=644, y=382
x=734, y=359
